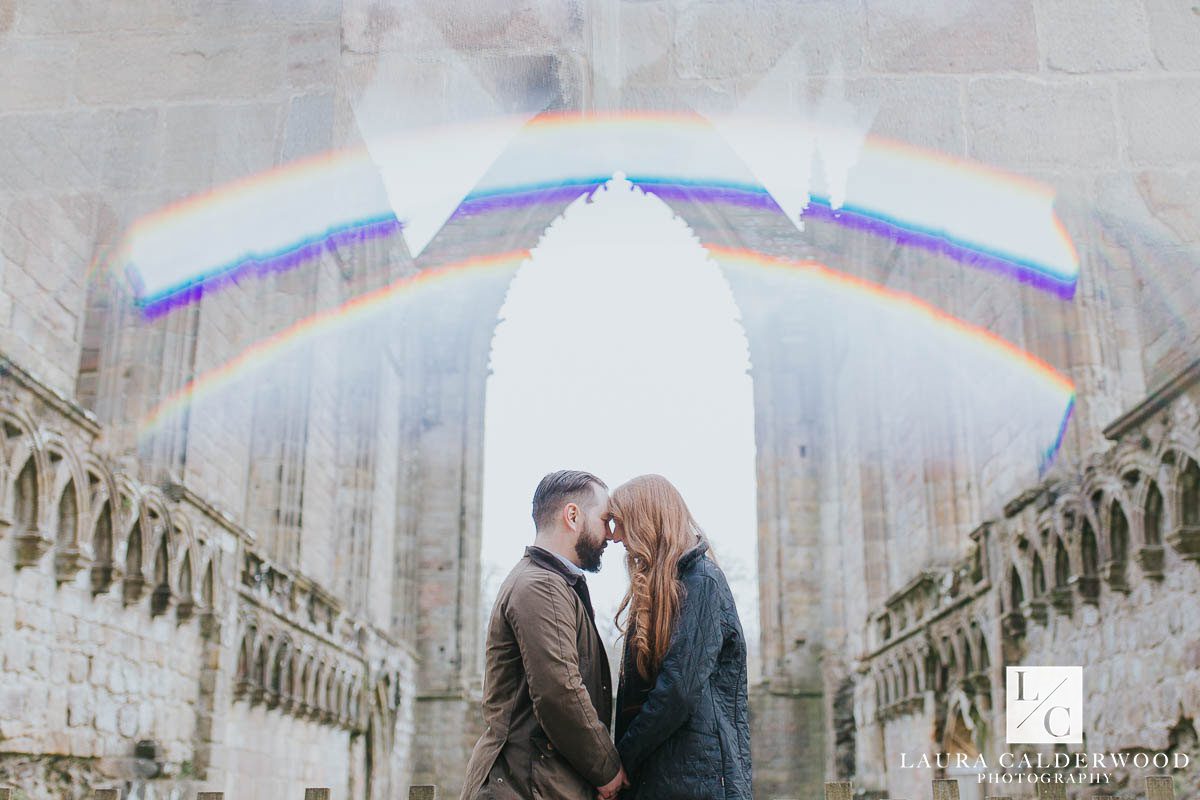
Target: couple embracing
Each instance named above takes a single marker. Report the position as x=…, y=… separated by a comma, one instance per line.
x=682, y=730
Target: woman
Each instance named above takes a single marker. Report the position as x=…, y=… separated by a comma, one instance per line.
x=682, y=727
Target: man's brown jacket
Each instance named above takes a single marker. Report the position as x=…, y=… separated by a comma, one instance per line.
x=547, y=691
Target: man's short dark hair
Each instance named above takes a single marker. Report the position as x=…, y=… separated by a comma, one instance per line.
x=559, y=488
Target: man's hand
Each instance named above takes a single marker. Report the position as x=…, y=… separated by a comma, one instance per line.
x=610, y=790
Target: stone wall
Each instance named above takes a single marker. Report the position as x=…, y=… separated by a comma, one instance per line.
x=147, y=644
x=1096, y=570
x=108, y=114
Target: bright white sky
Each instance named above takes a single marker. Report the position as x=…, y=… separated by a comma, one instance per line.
x=619, y=352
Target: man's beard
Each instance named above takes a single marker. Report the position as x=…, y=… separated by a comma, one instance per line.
x=589, y=550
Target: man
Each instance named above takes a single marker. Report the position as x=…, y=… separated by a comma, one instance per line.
x=547, y=691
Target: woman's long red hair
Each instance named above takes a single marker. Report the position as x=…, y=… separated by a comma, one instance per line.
x=658, y=529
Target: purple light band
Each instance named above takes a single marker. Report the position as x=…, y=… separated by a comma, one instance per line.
x=261, y=267
x=940, y=246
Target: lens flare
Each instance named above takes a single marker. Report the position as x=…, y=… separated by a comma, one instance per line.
x=977, y=216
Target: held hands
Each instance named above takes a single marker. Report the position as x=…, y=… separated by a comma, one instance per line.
x=611, y=789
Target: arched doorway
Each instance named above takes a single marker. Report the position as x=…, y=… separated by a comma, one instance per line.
x=619, y=351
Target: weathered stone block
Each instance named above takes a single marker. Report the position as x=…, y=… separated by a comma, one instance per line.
x=16, y=652
x=1093, y=37
x=132, y=149
x=77, y=668
x=427, y=28
x=951, y=36
x=223, y=15
x=79, y=706
x=642, y=46
x=308, y=128
x=80, y=16
x=313, y=57
x=140, y=68
x=1161, y=118
x=1017, y=122
x=1186, y=541
x=1175, y=34
x=923, y=111
x=34, y=77
x=726, y=40
x=1174, y=199
x=127, y=720
x=105, y=713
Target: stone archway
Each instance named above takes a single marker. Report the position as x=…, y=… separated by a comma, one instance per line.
x=619, y=350
x=443, y=347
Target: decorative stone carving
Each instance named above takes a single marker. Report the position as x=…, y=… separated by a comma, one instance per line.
x=1186, y=541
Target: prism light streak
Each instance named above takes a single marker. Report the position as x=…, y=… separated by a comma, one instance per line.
x=260, y=264
x=1033, y=376
x=319, y=325
x=261, y=223
x=941, y=244
x=1037, y=378
x=974, y=215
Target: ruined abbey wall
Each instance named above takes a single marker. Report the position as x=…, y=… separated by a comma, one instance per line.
x=229, y=591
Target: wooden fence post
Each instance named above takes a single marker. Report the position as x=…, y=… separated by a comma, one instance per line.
x=1160, y=787
x=996, y=797
x=945, y=789
x=5, y=794
x=210, y=796
x=838, y=790
x=419, y=792
x=1051, y=791
x=107, y=794
x=316, y=794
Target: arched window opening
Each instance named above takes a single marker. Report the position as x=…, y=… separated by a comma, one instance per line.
x=1060, y=596
x=208, y=587
x=985, y=660
x=134, y=585
x=1189, y=494
x=102, y=551
x=1062, y=564
x=1119, y=535
x=31, y=544
x=1087, y=585
x=25, y=511
x=68, y=561
x=1153, y=516
x=1088, y=550
x=187, y=600
x=160, y=601
x=1016, y=590
x=67, y=535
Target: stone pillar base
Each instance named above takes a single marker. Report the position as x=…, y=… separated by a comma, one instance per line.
x=787, y=743
x=446, y=729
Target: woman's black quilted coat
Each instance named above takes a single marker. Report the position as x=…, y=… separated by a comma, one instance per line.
x=690, y=739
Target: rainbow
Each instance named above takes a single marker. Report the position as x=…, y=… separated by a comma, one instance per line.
x=1002, y=375
x=975, y=215
x=995, y=376
x=266, y=222
x=334, y=320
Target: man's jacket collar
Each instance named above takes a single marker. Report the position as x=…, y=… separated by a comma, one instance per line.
x=544, y=558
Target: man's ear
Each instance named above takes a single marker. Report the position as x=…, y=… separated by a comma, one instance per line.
x=571, y=515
